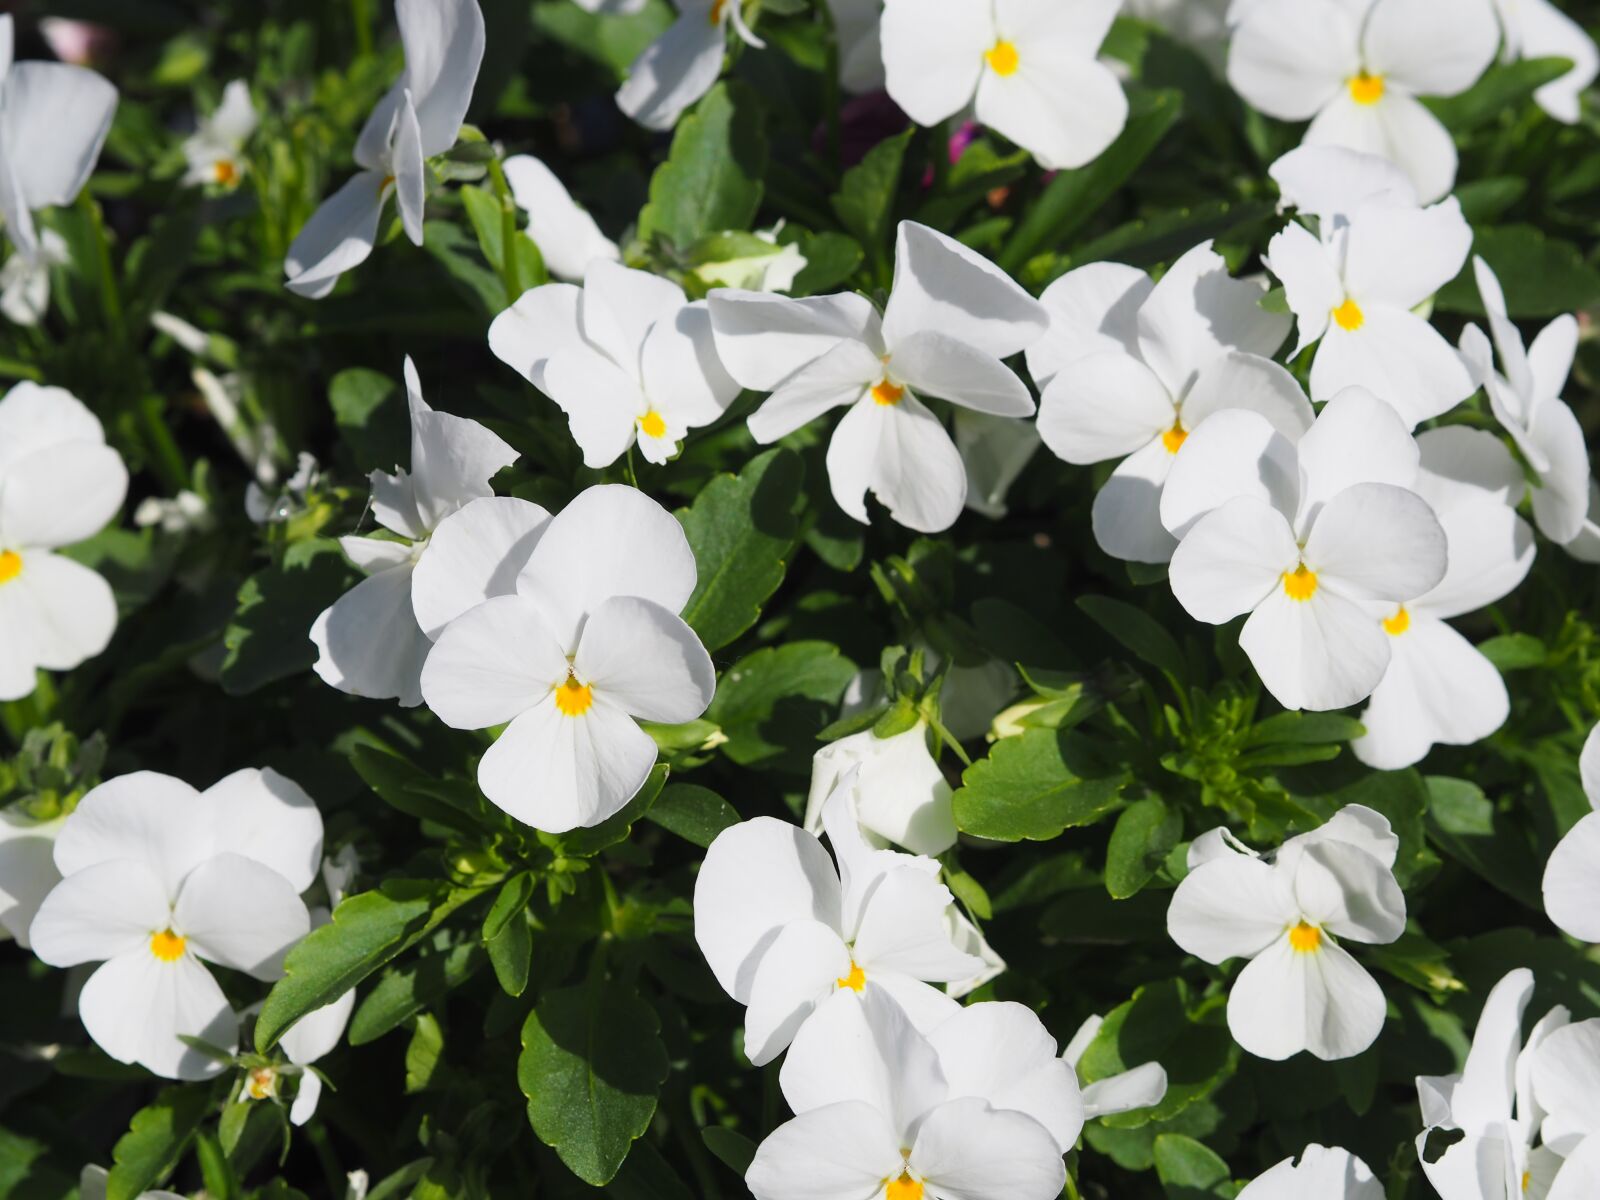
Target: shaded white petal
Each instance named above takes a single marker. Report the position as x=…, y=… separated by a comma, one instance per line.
x=933, y=54
x=56, y=613
x=935, y=364
x=1002, y=1053
x=1398, y=128
x=318, y=1032
x=1402, y=256
x=1463, y=467
x=621, y=305
x=492, y=663
x=1143, y=1087
x=1566, y=1079
x=673, y=71
x=1310, y=278
x=444, y=42
x=1589, y=766
x=1234, y=454
x=1396, y=355
x=1127, y=509
x=763, y=339
x=27, y=870
x=645, y=659
x=371, y=555
x=410, y=183
x=1286, y=1001
x=452, y=458
x=602, y=401
x=1231, y=907
x=1491, y=552
x=1066, y=109
x=1333, y=181
x=759, y=876
x=54, y=120
x=265, y=816
x=34, y=418
x=567, y=236
x=1357, y=439
x=944, y=287
x=842, y=1152
x=903, y=456
x=474, y=555
x=840, y=376
x=154, y=819
x=1429, y=50
x=1543, y=30
x=995, y=450
x=1289, y=58
x=1572, y=881
x=1232, y=560
x=238, y=913
x=800, y=969
x=966, y=1150
x=902, y=930
x=105, y=910
x=542, y=323
x=1482, y=1098
x=1348, y=892
x=1375, y=541
x=339, y=236
x=1320, y=654
x=136, y=1005
x=1561, y=502
x=1253, y=383
x=369, y=643
x=683, y=377
x=1579, y=1176
x=901, y=795
x=1105, y=405
x=1321, y=1174
x=1092, y=309
x=61, y=494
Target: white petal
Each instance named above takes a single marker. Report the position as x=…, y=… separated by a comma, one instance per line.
x=1331, y=181
x=1230, y=907
x=371, y=555
x=1399, y=129
x=944, y=287
x=154, y=819
x=238, y=913
x=842, y=1152
x=901, y=795
x=410, y=182
x=1286, y=1001
x=1429, y=50
x=1402, y=256
x=135, y=1006
x=267, y=817
x=800, y=969
x=444, y=42
x=452, y=458
x=1357, y=439
x=1320, y=654
x=27, y=870
x=1003, y=1054
x=1289, y=58
x=1234, y=454
x=935, y=364
x=1321, y=1174
x=1491, y=552
x=1065, y=109
x=602, y=401
x=1546, y=31
x=1375, y=541
x=1566, y=1079
x=1551, y=356
x=1105, y=405
x=305, y=1100
x=933, y=54
x=969, y=1151
x=567, y=236
x=1463, y=467
x=542, y=323
x=902, y=454
x=1310, y=279
x=1232, y=560
x=903, y=930
x=645, y=659
x=1197, y=313
x=621, y=305
x=474, y=555
x=57, y=613
x=1094, y=308
x=925, y=1005
x=34, y=418
x=1561, y=501
x=1589, y=766
x=763, y=339
x=492, y=663
x=339, y=236
x=1572, y=881
x=759, y=876
x=1438, y=690
x=369, y=643
x=840, y=377
x=54, y=120
x=610, y=541
x=1253, y=383
x=1354, y=825
x=995, y=450
x=1349, y=892
x=1396, y=355
x=1580, y=1174
x=318, y=1032
x=100, y=912
x=61, y=494
x=1468, y=1169
x=1127, y=509
x=674, y=71
x=1481, y=1101
x=683, y=377
x=1143, y=1087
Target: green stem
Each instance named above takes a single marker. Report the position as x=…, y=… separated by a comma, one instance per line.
x=508, y=233
x=110, y=294
x=361, y=18
x=168, y=459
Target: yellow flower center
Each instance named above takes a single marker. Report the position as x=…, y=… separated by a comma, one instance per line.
x=1174, y=438
x=1003, y=60
x=904, y=1188
x=1305, y=939
x=167, y=946
x=652, y=424
x=262, y=1083
x=573, y=698
x=227, y=174
x=1396, y=625
x=856, y=980
x=887, y=394
x=10, y=565
x=1300, y=584
x=384, y=186
x=1527, y=1178
x=1366, y=89
x=717, y=7
x=1349, y=316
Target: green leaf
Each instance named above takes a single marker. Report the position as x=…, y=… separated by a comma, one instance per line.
x=1464, y=824
x=1151, y=240
x=367, y=931
x=511, y=955
x=1141, y=839
x=1188, y=1170
x=1138, y=631
x=1304, y=729
x=712, y=180
x=1514, y=652
x=777, y=698
x=156, y=1139
x=831, y=258
x=646, y=1175
x=1157, y=1026
x=401, y=785
x=864, y=202
x=732, y=1148
x=1502, y=88
x=1073, y=197
x=369, y=410
x=592, y=1066
x=742, y=530
x=1541, y=276
x=694, y=813
x=405, y=990
x=424, y=1053
x=614, y=40
x=1034, y=786
x=267, y=638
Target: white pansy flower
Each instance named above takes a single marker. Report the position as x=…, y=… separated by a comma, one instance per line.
x=1525, y=396
x=1438, y=688
x=1566, y=1084
x=185, y=513
x=995, y=451
x=783, y=928
x=1143, y=1086
x=882, y=1111
x=1355, y=70
x=968, y=938
x=1196, y=343
x=27, y=869
x=54, y=119
x=857, y=26
x=1321, y=1173
x=1538, y=29
x=1305, y=539
x=215, y=151
x=951, y=318
x=900, y=794
x=1353, y=292
x=683, y=63
x=1029, y=69
x=159, y=879
x=587, y=645
x=419, y=117
x=626, y=357
x=1492, y=1105
x=373, y=639
x=1332, y=182
x=1288, y=914
x=1572, y=876
x=567, y=236
x=59, y=484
